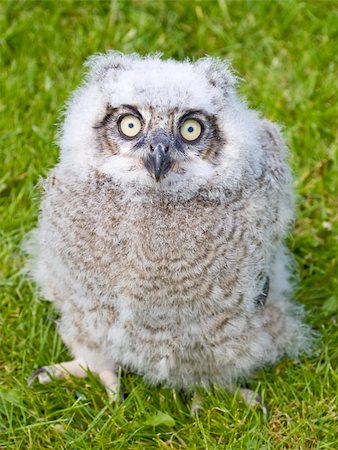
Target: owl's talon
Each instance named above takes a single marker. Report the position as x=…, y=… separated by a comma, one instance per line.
x=252, y=399
x=41, y=373
x=45, y=374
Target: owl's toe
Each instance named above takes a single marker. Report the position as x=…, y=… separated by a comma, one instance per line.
x=43, y=374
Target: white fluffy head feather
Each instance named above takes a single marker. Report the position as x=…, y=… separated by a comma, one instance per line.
x=161, y=86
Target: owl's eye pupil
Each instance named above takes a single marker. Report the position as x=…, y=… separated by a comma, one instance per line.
x=191, y=129
x=131, y=125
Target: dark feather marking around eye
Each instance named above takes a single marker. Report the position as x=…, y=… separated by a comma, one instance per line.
x=178, y=145
x=140, y=143
x=134, y=110
x=105, y=143
x=103, y=132
x=191, y=114
x=216, y=142
x=110, y=111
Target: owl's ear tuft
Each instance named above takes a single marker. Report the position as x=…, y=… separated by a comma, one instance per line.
x=102, y=63
x=218, y=73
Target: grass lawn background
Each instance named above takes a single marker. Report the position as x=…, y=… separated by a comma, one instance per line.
x=287, y=53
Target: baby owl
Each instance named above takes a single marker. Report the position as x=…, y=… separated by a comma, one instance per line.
x=160, y=237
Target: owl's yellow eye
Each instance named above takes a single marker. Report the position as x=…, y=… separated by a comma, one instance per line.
x=130, y=126
x=191, y=130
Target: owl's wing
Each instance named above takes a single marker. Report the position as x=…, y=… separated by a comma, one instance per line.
x=277, y=174
x=273, y=144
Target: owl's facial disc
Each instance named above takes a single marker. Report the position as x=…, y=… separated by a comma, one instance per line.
x=159, y=140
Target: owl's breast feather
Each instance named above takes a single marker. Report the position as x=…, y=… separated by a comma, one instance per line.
x=177, y=274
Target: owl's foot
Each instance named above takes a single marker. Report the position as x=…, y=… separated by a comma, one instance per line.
x=76, y=368
x=46, y=374
x=252, y=399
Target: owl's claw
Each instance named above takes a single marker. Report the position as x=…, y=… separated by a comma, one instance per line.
x=251, y=398
x=42, y=374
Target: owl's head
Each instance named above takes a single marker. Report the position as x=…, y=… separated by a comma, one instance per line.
x=160, y=123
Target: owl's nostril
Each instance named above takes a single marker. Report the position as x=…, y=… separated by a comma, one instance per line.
x=165, y=149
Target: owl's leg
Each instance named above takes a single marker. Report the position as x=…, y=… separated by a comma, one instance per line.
x=196, y=404
x=45, y=374
x=109, y=380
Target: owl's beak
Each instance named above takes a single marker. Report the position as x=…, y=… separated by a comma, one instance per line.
x=158, y=162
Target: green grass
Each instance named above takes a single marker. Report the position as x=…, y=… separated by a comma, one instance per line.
x=285, y=50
